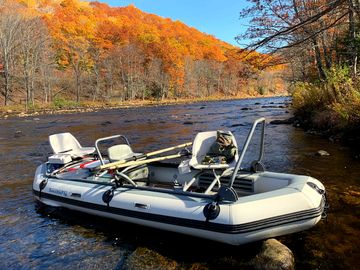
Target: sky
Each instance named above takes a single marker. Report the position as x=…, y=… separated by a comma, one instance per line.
x=219, y=18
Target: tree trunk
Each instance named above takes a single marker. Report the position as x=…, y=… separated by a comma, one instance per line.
x=318, y=60
x=352, y=36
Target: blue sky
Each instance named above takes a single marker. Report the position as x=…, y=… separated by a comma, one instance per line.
x=216, y=17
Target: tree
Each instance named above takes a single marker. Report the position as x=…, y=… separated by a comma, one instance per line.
x=33, y=36
x=72, y=27
x=282, y=25
x=10, y=25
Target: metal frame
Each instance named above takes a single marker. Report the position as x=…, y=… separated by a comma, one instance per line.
x=105, y=139
x=246, y=145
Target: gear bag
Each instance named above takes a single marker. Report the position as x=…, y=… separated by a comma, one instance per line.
x=222, y=151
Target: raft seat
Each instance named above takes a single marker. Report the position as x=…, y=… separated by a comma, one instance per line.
x=119, y=152
x=66, y=143
x=201, y=146
x=123, y=151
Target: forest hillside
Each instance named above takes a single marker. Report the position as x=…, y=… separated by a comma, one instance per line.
x=65, y=52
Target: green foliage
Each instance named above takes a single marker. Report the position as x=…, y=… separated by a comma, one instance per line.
x=62, y=103
x=331, y=103
x=261, y=90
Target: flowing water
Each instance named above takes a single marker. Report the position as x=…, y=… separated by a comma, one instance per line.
x=32, y=239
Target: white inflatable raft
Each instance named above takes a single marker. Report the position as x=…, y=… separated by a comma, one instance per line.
x=220, y=202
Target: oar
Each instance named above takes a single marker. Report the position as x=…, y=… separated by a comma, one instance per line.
x=113, y=165
x=141, y=162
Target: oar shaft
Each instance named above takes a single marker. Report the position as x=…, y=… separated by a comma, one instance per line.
x=141, y=162
x=169, y=149
x=125, y=161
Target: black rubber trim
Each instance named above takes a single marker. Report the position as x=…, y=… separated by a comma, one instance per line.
x=210, y=226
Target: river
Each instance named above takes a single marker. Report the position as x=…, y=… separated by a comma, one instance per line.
x=31, y=239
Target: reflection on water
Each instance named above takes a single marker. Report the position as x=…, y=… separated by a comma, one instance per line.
x=38, y=240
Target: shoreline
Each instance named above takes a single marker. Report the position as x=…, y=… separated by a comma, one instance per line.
x=7, y=112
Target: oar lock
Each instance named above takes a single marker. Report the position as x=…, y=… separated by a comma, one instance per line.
x=42, y=185
x=211, y=210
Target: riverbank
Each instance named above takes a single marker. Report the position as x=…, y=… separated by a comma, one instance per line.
x=330, y=108
x=64, y=107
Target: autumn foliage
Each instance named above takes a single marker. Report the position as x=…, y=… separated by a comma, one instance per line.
x=93, y=51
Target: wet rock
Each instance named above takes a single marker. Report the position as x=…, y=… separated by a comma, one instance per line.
x=322, y=153
x=202, y=107
x=106, y=123
x=273, y=256
x=314, y=132
x=188, y=123
x=18, y=134
x=143, y=258
x=288, y=121
x=238, y=125
x=269, y=106
x=245, y=109
x=257, y=103
x=36, y=119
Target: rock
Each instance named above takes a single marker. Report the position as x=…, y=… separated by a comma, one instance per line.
x=188, y=123
x=36, y=119
x=273, y=256
x=237, y=125
x=245, y=109
x=202, y=107
x=106, y=123
x=257, y=103
x=322, y=153
x=288, y=121
x=18, y=134
x=143, y=258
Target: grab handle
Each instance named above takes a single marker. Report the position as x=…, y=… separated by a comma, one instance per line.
x=246, y=145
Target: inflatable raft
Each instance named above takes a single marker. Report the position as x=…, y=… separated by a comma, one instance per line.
x=220, y=201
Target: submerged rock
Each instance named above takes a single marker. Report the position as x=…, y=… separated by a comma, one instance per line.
x=322, y=153
x=143, y=258
x=288, y=121
x=273, y=256
x=18, y=134
x=106, y=123
x=238, y=125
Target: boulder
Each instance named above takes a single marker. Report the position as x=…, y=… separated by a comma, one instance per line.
x=273, y=256
x=143, y=258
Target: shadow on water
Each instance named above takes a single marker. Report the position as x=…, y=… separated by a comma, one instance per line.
x=56, y=239
x=127, y=237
